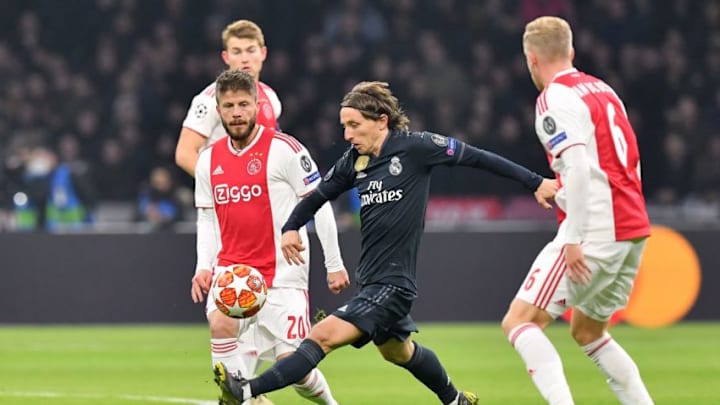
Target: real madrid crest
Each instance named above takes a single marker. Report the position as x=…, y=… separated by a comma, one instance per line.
x=395, y=166
x=361, y=163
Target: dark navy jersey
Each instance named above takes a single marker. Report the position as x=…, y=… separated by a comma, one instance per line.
x=394, y=189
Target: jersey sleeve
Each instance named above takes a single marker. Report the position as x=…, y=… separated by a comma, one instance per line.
x=435, y=149
x=564, y=122
x=203, y=187
x=340, y=177
x=202, y=117
x=300, y=169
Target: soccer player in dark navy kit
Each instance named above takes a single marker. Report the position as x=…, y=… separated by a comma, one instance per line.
x=391, y=168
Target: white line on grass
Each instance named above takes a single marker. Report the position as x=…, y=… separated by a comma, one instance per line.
x=146, y=398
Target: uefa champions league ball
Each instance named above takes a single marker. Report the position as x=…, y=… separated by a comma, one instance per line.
x=239, y=291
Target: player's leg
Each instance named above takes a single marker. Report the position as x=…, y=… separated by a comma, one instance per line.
x=226, y=348
x=331, y=333
x=314, y=386
x=425, y=366
x=231, y=343
x=540, y=299
x=589, y=321
x=284, y=326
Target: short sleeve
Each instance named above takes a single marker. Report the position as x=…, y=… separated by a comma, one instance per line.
x=202, y=117
x=203, y=187
x=565, y=122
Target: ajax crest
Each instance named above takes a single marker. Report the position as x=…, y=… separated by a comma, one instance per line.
x=254, y=166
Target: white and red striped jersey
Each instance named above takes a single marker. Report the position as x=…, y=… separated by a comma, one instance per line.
x=578, y=109
x=203, y=118
x=253, y=192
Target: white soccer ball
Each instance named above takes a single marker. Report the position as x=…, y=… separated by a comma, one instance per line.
x=239, y=291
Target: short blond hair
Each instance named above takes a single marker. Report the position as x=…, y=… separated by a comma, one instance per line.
x=550, y=37
x=243, y=29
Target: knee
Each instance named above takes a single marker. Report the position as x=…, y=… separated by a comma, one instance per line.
x=395, y=357
x=508, y=323
x=584, y=336
x=398, y=355
x=223, y=326
x=323, y=337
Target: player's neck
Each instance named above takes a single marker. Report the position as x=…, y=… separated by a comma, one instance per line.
x=378, y=144
x=552, y=69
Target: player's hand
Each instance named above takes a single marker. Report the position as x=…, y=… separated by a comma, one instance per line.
x=338, y=281
x=545, y=193
x=577, y=269
x=200, y=285
x=291, y=246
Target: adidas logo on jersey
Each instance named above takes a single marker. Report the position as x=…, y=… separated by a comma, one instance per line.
x=218, y=170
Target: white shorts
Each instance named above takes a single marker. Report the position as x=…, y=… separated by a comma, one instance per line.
x=279, y=327
x=614, y=266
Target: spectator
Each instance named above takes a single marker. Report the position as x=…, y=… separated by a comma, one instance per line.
x=158, y=204
x=131, y=64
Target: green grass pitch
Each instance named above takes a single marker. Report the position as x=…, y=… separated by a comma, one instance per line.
x=79, y=365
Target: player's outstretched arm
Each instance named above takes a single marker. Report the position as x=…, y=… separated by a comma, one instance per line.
x=494, y=163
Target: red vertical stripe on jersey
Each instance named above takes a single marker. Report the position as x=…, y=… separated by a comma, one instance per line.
x=628, y=202
x=242, y=206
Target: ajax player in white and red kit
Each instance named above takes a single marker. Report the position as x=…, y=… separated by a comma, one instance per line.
x=244, y=49
x=247, y=184
x=592, y=262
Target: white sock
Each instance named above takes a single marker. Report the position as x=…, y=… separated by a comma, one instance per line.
x=235, y=355
x=622, y=373
x=316, y=389
x=542, y=361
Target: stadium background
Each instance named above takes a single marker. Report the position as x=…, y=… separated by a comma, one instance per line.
x=103, y=87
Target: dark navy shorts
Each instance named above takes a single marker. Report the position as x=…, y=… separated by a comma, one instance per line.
x=382, y=312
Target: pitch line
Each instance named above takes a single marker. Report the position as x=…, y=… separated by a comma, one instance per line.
x=128, y=397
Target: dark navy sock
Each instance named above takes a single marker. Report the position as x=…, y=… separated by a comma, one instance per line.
x=426, y=367
x=288, y=370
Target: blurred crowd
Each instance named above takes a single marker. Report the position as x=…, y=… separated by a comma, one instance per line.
x=93, y=92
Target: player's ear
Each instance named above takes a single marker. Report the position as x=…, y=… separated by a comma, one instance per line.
x=532, y=58
x=383, y=120
x=225, y=57
x=572, y=54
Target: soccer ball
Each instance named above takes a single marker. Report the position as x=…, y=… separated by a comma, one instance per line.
x=239, y=292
